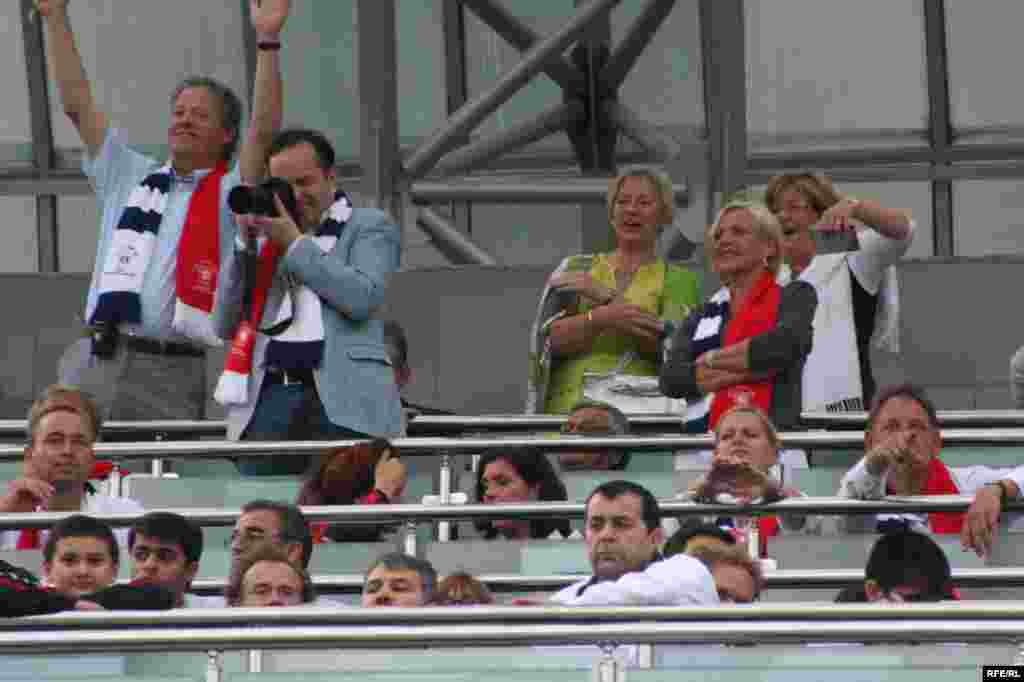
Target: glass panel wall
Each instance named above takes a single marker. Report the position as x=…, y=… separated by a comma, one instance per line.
x=135, y=58
x=835, y=74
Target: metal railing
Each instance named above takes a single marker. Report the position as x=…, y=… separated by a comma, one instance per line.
x=397, y=513
x=431, y=425
x=393, y=628
x=947, y=418
x=821, y=579
x=432, y=446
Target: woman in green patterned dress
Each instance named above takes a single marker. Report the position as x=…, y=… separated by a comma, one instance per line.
x=608, y=312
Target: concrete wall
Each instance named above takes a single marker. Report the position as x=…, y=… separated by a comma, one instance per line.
x=468, y=330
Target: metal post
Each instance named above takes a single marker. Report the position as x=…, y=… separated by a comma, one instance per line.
x=42, y=136
x=445, y=484
x=410, y=538
x=116, y=481
x=484, y=104
x=457, y=247
x=378, y=102
x=636, y=38
x=940, y=126
x=663, y=146
x=214, y=666
x=521, y=37
x=254, y=661
x=548, y=122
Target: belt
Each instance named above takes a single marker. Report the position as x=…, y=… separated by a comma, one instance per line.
x=289, y=377
x=141, y=344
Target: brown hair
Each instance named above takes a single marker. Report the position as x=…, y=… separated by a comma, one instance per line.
x=273, y=554
x=462, y=589
x=61, y=398
x=343, y=475
x=732, y=555
x=817, y=190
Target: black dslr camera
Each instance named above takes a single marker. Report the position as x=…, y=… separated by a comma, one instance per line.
x=259, y=199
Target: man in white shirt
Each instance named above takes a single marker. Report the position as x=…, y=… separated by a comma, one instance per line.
x=62, y=428
x=623, y=534
x=902, y=442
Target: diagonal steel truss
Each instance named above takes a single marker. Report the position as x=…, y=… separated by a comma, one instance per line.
x=447, y=153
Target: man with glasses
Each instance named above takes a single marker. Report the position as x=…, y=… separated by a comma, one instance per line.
x=266, y=523
x=62, y=428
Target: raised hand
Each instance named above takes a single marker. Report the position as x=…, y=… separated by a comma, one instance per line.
x=840, y=217
x=268, y=16
x=390, y=476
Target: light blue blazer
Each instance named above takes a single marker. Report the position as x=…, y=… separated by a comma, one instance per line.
x=355, y=379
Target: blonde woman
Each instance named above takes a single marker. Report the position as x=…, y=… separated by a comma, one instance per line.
x=748, y=343
x=610, y=311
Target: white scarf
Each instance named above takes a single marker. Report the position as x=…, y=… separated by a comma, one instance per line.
x=831, y=377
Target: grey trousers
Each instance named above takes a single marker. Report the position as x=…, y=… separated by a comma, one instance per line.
x=132, y=386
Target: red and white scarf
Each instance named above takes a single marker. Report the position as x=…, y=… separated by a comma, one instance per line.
x=300, y=344
x=756, y=315
x=198, y=256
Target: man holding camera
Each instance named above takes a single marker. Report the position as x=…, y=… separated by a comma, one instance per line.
x=300, y=302
x=166, y=230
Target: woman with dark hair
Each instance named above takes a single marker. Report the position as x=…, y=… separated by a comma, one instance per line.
x=519, y=475
x=365, y=473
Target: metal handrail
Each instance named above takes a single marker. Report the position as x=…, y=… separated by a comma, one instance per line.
x=793, y=579
x=947, y=418
x=311, y=627
x=396, y=513
x=203, y=449
x=424, y=425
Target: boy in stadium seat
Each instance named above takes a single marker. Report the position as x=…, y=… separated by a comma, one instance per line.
x=62, y=428
x=80, y=560
x=165, y=550
x=269, y=578
x=623, y=533
x=397, y=579
x=902, y=443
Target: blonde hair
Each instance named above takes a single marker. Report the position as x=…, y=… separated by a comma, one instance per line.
x=61, y=398
x=817, y=191
x=766, y=227
x=660, y=182
x=769, y=427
